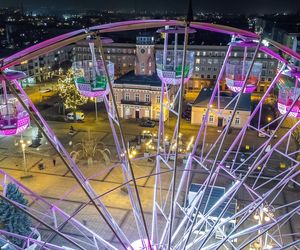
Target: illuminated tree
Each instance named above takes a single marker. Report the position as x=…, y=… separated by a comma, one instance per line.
x=69, y=94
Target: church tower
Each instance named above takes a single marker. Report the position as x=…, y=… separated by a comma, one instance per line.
x=145, y=58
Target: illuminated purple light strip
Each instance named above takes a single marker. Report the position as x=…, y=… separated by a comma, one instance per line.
x=236, y=86
x=204, y=26
x=93, y=93
x=22, y=124
x=283, y=108
x=42, y=45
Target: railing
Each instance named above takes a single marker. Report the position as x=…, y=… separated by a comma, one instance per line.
x=131, y=102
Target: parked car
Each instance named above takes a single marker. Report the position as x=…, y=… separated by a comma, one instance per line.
x=79, y=116
x=147, y=123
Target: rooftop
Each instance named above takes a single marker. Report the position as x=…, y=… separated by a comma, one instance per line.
x=211, y=197
x=205, y=94
x=145, y=80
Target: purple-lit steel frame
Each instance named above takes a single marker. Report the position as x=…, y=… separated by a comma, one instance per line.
x=183, y=220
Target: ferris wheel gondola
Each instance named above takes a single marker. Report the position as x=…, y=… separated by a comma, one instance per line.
x=289, y=91
x=89, y=75
x=237, y=70
x=169, y=62
x=13, y=117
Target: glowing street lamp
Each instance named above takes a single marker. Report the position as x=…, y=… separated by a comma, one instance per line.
x=263, y=215
x=23, y=145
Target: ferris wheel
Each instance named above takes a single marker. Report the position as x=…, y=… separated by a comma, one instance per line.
x=203, y=198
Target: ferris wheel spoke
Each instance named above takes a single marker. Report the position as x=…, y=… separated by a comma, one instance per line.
x=64, y=155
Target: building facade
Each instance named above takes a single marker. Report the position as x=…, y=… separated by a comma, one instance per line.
x=45, y=67
x=207, y=65
x=216, y=118
x=138, y=92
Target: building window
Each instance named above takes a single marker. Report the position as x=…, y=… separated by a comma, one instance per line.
x=137, y=97
x=261, y=88
x=127, y=111
x=157, y=99
x=202, y=76
x=147, y=113
x=147, y=98
x=197, y=68
x=198, y=60
x=127, y=96
x=116, y=97
x=237, y=121
x=211, y=119
x=198, y=53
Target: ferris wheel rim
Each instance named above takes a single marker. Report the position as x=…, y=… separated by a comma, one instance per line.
x=144, y=24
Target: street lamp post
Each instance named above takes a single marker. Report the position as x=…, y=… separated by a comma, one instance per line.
x=96, y=107
x=23, y=147
x=263, y=215
x=269, y=120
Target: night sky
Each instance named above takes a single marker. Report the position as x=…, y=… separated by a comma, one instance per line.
x=223, y=6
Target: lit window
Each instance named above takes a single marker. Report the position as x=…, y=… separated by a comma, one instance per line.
x=147, y=98
x=197, y=68
x=198, y=60
x=157, y=99
x=211, y=119
x=198, y=53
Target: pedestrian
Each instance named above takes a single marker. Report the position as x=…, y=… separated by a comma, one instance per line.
x=54, y=162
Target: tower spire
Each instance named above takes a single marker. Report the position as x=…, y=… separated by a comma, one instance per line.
x=189, y=16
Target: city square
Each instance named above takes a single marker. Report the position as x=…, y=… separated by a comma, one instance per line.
x=156, y=143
